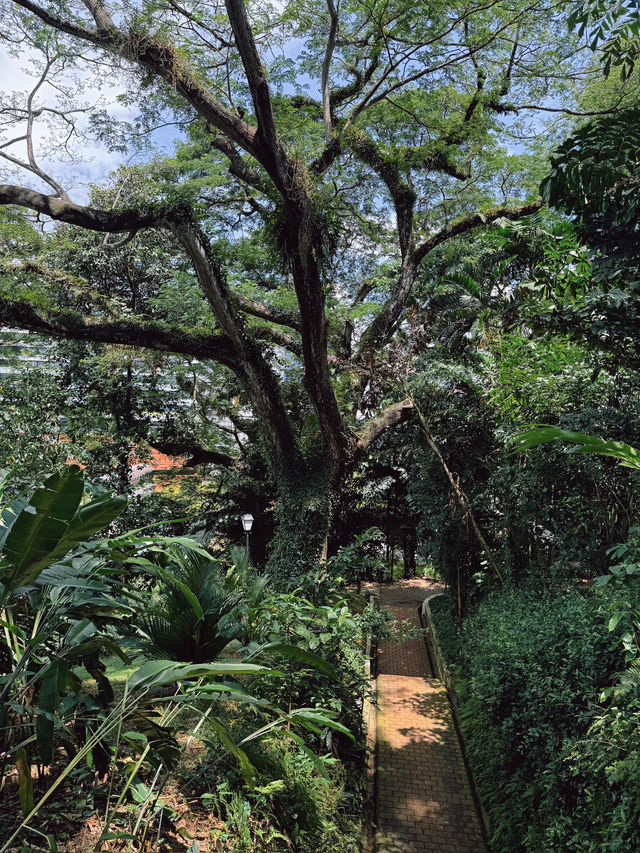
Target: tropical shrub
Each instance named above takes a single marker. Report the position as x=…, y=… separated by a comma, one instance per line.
x=532, y=665
x=196, y=609
x=64, y=604
x=332, y=632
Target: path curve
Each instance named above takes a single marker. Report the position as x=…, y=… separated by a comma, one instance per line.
x=424, y=800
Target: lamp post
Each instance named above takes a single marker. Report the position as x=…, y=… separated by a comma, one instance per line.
x=247, y=523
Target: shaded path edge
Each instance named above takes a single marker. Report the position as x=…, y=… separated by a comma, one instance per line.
x=440, y=671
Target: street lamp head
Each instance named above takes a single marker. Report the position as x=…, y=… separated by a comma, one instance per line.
x=247, y=521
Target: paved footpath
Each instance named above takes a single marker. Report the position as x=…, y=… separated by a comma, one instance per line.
x=424, y=801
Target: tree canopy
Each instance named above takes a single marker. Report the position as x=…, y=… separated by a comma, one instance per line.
x=325, y=153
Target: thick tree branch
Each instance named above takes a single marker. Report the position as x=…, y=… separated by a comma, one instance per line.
x=92, y=218
x=267, y=312
x=196, y=455
x=303, y=236
x=281, y=339
x=133, y=333
x=254, y=370
x=326, y=67
x=61, y=24
x=387, y=418
x=382, y=326
x=237, y=166
x=163, y=61
x=104, y=21
x=361, y=78
x=268, y=151
x=23, y=269
x=387, y=168
x=476, y=220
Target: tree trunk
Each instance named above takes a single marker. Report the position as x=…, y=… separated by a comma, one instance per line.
x=409, y=552
x=303, y=515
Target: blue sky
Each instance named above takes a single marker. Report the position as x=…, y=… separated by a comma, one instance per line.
x=92, y=162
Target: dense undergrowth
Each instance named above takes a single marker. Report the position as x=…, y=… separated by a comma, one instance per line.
x=550, y=705
x=160, y=698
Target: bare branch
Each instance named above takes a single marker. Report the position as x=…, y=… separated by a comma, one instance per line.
x=30, y=114
x=326, y=67
x=389, y=417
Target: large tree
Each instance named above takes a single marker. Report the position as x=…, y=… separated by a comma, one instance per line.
x=307, y=193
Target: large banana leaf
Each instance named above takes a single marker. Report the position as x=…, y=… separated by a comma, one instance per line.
x=95, y=516
x=42, y=529
x=52, y=686
x=295, y=653
x=36, y=530
x=629, y=456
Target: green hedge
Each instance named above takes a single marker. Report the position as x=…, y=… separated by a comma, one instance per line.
x=556, y=770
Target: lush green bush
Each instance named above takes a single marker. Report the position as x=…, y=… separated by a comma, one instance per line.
x=292, y=807
x=331, y=631
x=296, y=803
x=533, y=662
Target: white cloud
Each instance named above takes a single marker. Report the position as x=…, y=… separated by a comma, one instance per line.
x=87, y=161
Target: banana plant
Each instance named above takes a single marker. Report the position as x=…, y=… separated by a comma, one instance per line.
x=45, y=631
x=629, y=456
x=39, y=530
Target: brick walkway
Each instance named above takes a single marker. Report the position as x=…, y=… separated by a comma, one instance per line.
x=424, y=802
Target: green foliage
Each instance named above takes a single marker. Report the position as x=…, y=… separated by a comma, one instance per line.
x=197, y=609
x=614, y=27
x=629, y=457
x=330, y=632
x=594, y=178
x=38, y=531
x=592, y=172
x=360, y=559
x=56, y=604
x=533, y=661
x=292, y=804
